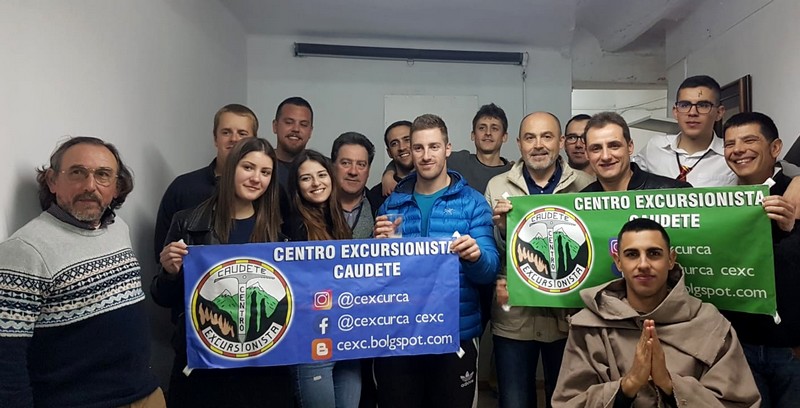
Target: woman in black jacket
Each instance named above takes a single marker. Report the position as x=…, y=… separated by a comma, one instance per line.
x=244, y=209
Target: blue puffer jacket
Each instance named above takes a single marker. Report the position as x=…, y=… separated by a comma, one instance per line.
x=461, y=208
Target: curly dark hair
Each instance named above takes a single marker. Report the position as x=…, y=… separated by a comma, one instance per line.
x=124, y=176
x=491, y=111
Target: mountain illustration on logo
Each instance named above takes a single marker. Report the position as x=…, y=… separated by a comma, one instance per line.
x=551, y=250
x=537, y=254
x=255, y=295
x=241, y=308
x=223, y=312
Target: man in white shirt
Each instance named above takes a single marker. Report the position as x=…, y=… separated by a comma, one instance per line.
x=695, y=154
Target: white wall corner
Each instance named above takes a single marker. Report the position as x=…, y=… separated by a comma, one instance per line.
x=594, y=68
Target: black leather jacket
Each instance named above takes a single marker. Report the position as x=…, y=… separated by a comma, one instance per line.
x=642, y=180
x=195, y=227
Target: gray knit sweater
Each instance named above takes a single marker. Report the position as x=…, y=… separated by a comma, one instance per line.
x=73, y=331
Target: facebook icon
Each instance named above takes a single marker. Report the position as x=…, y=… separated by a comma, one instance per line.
x=321, y=325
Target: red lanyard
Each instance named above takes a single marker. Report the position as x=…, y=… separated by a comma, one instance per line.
x=684, y=169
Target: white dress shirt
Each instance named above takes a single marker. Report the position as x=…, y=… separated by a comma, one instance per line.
x=658, y=157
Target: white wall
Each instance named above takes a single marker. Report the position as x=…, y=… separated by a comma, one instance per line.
x=144, y=75
x=631, y=104
x=594, y=68
x=729, y=39
x=349, y=94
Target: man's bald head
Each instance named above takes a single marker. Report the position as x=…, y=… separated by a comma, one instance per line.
x=540, y=143
x=537, y=116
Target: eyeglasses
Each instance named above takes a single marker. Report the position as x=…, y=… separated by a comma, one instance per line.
x=573, y=138
x=703, y=107
x=102, y=175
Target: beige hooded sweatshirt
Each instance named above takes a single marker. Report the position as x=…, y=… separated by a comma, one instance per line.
x=703, y=354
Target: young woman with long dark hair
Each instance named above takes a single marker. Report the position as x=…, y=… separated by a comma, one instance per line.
x=245, y=208
x=317, y=215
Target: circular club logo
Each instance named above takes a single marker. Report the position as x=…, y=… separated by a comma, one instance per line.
x=241, y=308
x=551, y=250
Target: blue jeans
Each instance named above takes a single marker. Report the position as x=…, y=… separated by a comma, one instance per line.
x=516, y=362
x=333, y=384
x=777, y=374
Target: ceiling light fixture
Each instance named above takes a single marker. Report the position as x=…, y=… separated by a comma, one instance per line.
x=407, y=54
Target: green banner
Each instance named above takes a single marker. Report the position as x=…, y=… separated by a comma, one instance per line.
x=559, y=244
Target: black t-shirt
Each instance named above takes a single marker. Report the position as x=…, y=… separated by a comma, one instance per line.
x=241, y=230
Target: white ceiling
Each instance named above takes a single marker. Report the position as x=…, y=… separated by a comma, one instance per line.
x=618, y=25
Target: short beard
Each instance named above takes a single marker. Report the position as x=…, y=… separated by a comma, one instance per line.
x=291, y=149
x=549, y=164
x=89, y=216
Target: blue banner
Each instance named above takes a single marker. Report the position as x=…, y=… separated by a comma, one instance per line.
x=304, y=302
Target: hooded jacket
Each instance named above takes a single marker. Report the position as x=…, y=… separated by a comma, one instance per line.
x=703, y=355
x=461, y=208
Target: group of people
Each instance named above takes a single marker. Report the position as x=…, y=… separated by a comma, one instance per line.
x=234, y=200
x=73, y=331
x=641, y=340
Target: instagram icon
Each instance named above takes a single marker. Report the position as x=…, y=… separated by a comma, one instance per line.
x=323, y=300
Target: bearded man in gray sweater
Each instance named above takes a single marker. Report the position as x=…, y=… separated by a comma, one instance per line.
x=73, y=329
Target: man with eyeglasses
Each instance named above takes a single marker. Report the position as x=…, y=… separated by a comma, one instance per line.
x=574, y=144
x=73, y=325
x=695, y=154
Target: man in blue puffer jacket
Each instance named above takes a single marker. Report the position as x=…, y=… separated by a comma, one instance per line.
x=436, y=203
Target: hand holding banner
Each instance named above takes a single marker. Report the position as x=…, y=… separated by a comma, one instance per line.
x=300, y=302
x=559, y=244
